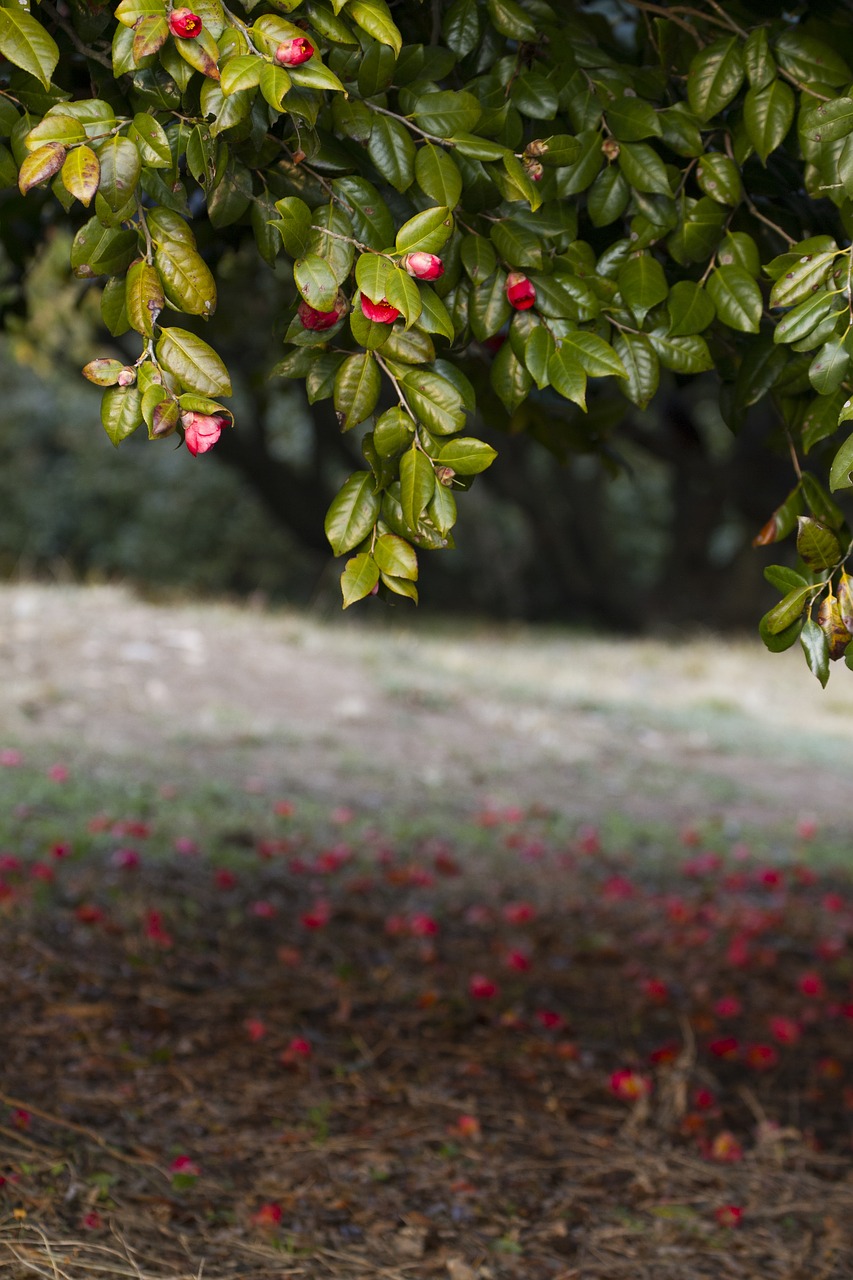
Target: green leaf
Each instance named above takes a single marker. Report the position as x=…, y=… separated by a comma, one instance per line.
x=595, y=356
x=358, y=579
x=242, y=72
x=535, y=96
x=807, y=275
x=62, y=129
x=121, y=412
x=642, y=366
x=434, y=317
x=478, y=258
x=316, y=282
x=758, y=60
x=195, y=364
x=828, y=121
x=294, y=225
x=402, y=292
x=314, y=75
x=391, y=149
x=274, y=83
x=630, y=119
x=690, y=309
x=144, y=297
x=426, y=232
x=461, y=27
x=809, y=59
x=374, y=17
x=26, y=43
x=688, y=354
x=357, y=386
x=567, y=376
x=367, y=210
x=829, y=367
x=715, y=77
x=438, y=176
x=783, y=578
x=736, y=297
x=517, y=245
x=488, y=308
x=642, y=283
x=150, y=139
x=799, y=322
x=816, y=649
x=371, y=275
x=841, y=472
x=417, y=484
x=353, y=513
x=608, y=197
x=787, y=610
x=81, y=173
x=393, y=432
x=468, y=144
x=518, y=185
x=719, y=178
x=396, y=557
x=701, y=228
x=187, y=279
x=511, y=20
x=768, y=115
x=817, y=545
x=447, y=112
x=466, y=455
x=643, y=168
x=121, y=166
x=539, y=347
x=434, y=400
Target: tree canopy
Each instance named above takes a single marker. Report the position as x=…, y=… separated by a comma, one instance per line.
x=483, y=211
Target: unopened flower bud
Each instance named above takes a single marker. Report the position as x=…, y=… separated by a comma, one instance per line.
x=202, y=430
x=311, y=318
x=538, y=147
x=520, y=293
x=292, y=53
x=534, y=170
x=610, y=147
x=423, y=266
x=444, y=475
x=185, y=23
x=127, y=377
x=382, y=312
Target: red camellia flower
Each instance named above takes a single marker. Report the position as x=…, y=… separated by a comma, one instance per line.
x=630, y=1085
x=783, y=1029
x=725, y=1148
x=202, y=430
x=724, y=1047
x=812, y=984
x=186, y=1166
x=292, y=53
x=482, y=988
x=311, y=318
x=269, y=1215
x=728, y=1215
x=423, y=266
x=520, y=293
x=185, y=23
x=761, y=1057
x=382, y=312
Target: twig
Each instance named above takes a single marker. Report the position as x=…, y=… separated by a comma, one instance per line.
x=74, y=38
x=17, y=1104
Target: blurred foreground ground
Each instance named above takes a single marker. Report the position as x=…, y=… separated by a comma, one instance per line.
x=425, y=719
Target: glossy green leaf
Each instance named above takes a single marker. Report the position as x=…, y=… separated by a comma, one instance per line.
x=144, y=298
x=357, y=386
x=121, y=412
x=316, y=282
x=374, y=17
x=768, y=115
x=360, y=576
x=595, y=356
x=758, y=60
x=417, y=484
x=466, y=455
x=817, y=545
x=719, y=178
x=788, y=609
x=392, y=150
x=242, y=72
x=642, y=283
x=393, y=432
x=438, y=176
x=24, y=42
x=736, y=298
x=195, y=364
x=641, y=364
x=434, y=400
x=353, y=513
x=809, y=274
x=816, y=649
x=478, y=258
x=690, y=309
x=810, y=59
x=187, y=279
x=294, y=225
x=567, y=376
x=426, y=232
x=461, y=26
x=688, y=354
x=715, y=77
x=608, y=197
x=447, y=112
x=643, y=169
x=841, y=472
x=81, y=173
x=396, y=557
x=539, y=347
x=829, y=367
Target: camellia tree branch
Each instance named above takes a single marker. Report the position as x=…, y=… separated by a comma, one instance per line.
x=551, y=195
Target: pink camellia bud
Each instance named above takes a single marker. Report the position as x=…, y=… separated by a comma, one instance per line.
x=423, y=266
x=202, y=430
x=520, y=293
x=311, y=318
x=292, y=53
x=127, y=377
x=185, y=23
x=382, y=312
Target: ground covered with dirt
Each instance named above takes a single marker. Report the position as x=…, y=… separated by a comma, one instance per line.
x=333, y=954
